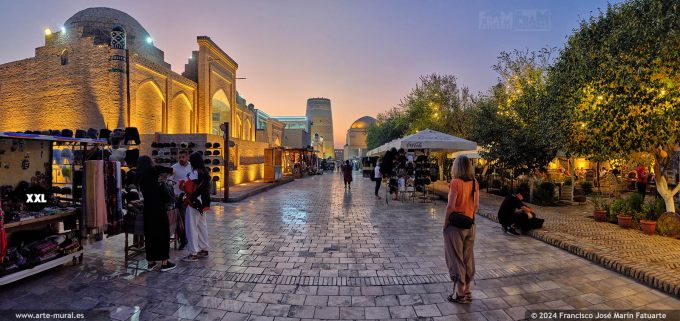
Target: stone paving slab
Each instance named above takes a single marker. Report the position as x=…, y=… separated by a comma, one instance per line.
x=653, y=260
x=311, y=250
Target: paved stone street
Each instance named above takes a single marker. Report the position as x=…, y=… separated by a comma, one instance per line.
x=653, y=260
x=311, y=250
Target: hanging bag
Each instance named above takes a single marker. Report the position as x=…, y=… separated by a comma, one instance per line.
x=460, y=220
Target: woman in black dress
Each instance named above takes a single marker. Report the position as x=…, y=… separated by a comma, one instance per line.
x=156, y=225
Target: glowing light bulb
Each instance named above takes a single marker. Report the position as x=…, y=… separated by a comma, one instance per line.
x=48, y=31
x=63, y=29
x=149, y=40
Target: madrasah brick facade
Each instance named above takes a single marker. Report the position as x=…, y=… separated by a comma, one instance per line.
x=103, y=71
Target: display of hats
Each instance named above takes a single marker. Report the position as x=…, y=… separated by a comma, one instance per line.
x=132, y=136
x=207, y=161
x=154, y=145
x=173, y=144
x=66, y=190
x=92, y=133
x=208, y=145
x=208, y=153
x=66, y=133
x=215, y=178
x=215, y=169
x=216, y=145
x=207, y=169
x=28, y=132
x=55, y=132
x=45, y=132
x=183, y=145
x=117, y=136
x=191, y=145
x=216, y=153
x=173, y=152
x=215, y=161
x=104, y=133
x=154, y=153
x=131, y=157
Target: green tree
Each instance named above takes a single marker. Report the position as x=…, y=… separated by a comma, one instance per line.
x=390, y=125
x=617, y=84
x=437, y=102
x=509, y=121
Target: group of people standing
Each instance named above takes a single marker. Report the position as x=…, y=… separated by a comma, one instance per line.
x=192, y=197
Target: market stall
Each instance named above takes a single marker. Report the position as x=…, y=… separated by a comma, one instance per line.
x=43, y=185
x=420, y=146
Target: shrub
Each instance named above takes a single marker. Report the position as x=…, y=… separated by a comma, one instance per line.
x=635, y=201
x=620, y=206
x=544, y=193
x=598, y=202
x=652, y=209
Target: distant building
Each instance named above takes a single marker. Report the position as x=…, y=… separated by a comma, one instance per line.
x=294, y=122
x=268, y=129
x=320, y=117
x=296, y=138
x=339, y=154
x=355, y=143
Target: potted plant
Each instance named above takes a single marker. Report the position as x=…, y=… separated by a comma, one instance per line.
x=632, y=204
x=599, y=212
x=622, y=212
x=651, y=211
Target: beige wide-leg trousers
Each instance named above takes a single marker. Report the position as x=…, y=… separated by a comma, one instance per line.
x=460, y=258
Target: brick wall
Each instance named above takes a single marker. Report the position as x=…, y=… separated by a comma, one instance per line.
x=41, y=93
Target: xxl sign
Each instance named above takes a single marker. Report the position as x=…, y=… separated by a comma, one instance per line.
x=35, y=198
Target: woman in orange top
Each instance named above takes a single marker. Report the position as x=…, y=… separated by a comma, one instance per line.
x=459, y=242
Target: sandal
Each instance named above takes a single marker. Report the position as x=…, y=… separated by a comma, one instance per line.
x=468, y=296
x=458, y=299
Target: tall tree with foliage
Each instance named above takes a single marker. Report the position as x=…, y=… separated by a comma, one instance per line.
x=389, y=126
x=617, y=83
x=437, y=102
x=509, y=122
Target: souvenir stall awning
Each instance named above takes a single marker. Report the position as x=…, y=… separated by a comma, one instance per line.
x=472, y=154
x=427, y=139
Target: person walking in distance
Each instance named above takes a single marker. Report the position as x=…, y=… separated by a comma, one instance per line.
x=180, y=174
x=347, y=174
x=642, y=179
x=197, y=199
x=459, y=229
x=156, y=225
x=378, y=179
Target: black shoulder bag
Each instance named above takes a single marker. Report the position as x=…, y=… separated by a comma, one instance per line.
x=461, y=220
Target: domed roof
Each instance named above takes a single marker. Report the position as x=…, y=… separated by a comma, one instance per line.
x=98, y=23
x=363, y=122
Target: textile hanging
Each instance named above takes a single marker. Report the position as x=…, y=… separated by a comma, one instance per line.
x=103, y=201
x=95, y=197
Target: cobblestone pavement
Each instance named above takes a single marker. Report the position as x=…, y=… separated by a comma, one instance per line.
x=309, y=250
x=653, y=260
